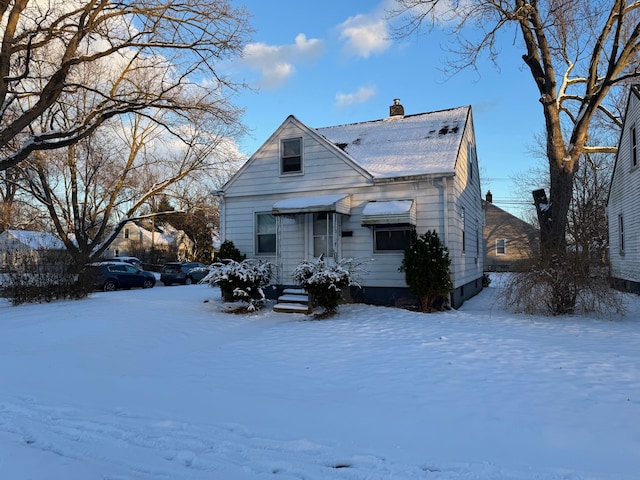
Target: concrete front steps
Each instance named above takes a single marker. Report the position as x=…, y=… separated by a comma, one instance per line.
x=293, y=300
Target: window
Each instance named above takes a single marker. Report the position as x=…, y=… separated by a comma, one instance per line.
x=391, y=238
x=323, y=234
x=126, y=233
x=291, y=155
x=464, y=230
x=621, y=233
x=501, y=246
x=634, y=147
x=265, y=234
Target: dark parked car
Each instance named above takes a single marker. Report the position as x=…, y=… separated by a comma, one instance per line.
x=109, y=276
x=185, y=273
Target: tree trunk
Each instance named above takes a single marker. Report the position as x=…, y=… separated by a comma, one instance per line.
x=553, y=220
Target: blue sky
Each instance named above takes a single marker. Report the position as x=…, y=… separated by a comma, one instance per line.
x=332, y=62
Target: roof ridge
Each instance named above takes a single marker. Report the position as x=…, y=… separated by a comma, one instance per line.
x=385, y=119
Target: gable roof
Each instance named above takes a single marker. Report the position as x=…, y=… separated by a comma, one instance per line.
x=398, y=146
x=35, y=240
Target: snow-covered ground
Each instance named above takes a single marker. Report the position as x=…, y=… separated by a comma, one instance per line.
x=157, y=384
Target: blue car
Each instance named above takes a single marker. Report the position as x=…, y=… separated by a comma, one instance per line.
x=109, y=276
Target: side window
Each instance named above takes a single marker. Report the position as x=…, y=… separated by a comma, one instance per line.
x=391, y=238
x=291, y=156
x=471, y=155
x=621, y=233
x=126, y=233
x=464, y=230
x=501, y=246
x=634, y=146
x=265, y=234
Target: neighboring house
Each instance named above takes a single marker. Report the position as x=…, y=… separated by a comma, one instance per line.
x=20, y=246
x=623, y=205
x=135, y=239
x=509, y=242
x=356, y=191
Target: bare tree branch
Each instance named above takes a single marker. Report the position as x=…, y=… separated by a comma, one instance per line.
x=161, y=48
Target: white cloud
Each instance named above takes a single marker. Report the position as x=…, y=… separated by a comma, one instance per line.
x=361, y=96
x=276, y=63
x=365, y=35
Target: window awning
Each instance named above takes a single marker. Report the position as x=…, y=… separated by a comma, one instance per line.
x=340, y=203
x=391, y=212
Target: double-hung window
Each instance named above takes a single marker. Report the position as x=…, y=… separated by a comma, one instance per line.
x=501, y=246
x=266, y=234
x=291, y=156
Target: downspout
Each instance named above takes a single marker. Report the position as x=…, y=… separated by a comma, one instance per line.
x=445, y=211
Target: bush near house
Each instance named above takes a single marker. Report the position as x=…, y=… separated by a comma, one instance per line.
x=228, y=251
x=242, y=281
x=326, y=282
x=426, y=266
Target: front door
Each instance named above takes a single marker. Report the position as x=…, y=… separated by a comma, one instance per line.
x=324, y=233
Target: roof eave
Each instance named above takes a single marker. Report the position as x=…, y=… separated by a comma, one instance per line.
x=426, y=177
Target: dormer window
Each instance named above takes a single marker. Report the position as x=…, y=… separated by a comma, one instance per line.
x=291, y=156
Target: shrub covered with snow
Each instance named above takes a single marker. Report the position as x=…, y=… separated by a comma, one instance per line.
x=326, y=281
x=242, y=281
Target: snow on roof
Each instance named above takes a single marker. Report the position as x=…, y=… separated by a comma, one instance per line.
x=392, y=207
x=308, y=202
x=36, y=240
x=158, y=238
x=425, y=143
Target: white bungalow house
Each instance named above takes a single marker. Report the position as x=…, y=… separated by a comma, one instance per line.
x=356, y=191
x=19, y=247
x=623, y=206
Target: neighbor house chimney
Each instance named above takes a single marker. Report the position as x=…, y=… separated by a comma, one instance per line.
x=396, y=109
x=489, y=197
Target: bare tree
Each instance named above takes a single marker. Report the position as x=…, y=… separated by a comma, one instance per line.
x=577, y=52
x=92, y=188
x=125, y=57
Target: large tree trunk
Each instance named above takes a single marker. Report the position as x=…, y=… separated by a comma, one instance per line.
x=553, y=220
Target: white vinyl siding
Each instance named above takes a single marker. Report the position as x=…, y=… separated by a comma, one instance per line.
x=624, y=201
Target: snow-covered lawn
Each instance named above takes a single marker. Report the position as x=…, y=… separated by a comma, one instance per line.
x=157, y=384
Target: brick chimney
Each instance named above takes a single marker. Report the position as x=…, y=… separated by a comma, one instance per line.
x=489, y=197
x=396, y=109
